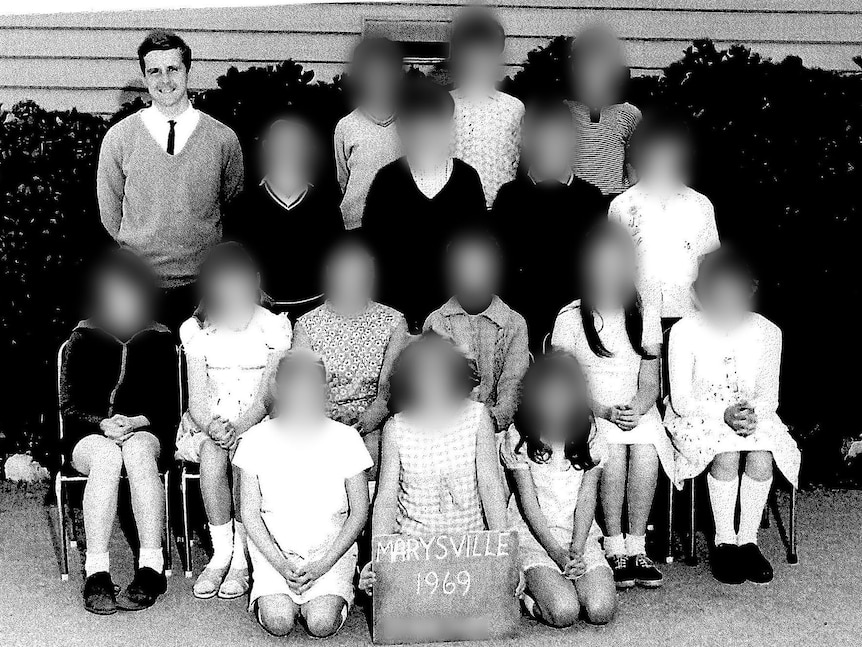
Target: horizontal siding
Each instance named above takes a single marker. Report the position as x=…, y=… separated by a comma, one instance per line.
x=87, y=60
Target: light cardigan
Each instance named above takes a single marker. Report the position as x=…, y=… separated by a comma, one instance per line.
x=168, y=208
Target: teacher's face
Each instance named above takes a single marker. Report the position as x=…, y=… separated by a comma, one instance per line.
x=166, y=77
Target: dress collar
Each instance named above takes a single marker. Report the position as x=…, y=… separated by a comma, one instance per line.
x=497, y=311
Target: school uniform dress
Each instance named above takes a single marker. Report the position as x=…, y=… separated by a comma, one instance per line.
x=301, y=473
x=671, y=233
x=603, y=140
x=541, y=226
x=409, y=218
x=439, y=488
x=711, y=370
x=496, y=342
x=488, y=137
x=236, y=361
x=353, y=349
x=614, y=380
x=287, y=239
x=557, y=484
x=363, y=145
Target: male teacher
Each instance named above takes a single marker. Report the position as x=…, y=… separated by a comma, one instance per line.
x=165, y=174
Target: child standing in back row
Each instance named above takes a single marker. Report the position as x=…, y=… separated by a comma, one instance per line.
x=487, y=121
x=366, y=140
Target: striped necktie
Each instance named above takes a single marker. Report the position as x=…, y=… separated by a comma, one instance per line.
x=172, y=135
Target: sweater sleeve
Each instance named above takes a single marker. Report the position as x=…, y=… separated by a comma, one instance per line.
x=75, y=375
x=110, y=182
x=233, y=171
x=342, y=171
x=515, y=363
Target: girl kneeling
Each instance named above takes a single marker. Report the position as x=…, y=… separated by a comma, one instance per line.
x=552, y=452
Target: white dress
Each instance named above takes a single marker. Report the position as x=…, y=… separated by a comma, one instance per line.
x=236, y=362
x=614, y=380
x=558, y=484
x=711, y=370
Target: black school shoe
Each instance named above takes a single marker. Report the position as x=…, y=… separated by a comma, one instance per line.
x=143, y=591
x=99, y=597
x=755, y=566
x=726, y=564
x=645, y=572
x=624, y=576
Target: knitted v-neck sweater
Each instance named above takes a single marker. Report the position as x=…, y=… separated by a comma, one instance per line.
x=168, y=208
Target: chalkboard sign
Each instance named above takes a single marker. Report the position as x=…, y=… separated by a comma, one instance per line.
x=445, y=587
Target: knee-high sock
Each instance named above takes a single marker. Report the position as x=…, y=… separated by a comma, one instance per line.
x=722, y=494
x=752, y=499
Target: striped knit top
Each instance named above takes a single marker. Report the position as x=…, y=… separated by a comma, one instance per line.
x=601, y=155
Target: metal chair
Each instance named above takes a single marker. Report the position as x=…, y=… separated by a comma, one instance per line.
x=62, y=478
x=188, y=472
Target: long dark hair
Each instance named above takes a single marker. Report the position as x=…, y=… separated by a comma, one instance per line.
x=556, y=365
x=609, y=232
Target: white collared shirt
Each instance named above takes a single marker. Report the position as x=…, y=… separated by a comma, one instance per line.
x=157, y=123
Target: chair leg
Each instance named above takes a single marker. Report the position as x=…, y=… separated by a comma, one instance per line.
x=61, y=518
x=187, y=543
x=792, y=557
x=691, y=558
x=168, y=549
x=668, y=556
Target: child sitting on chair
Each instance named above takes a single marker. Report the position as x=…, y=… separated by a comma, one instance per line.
x=229, y=344
x=493, y=335
x=553, y=453
x=118, y=399
x=438, y=447
x=304, y=499
x=724, y=376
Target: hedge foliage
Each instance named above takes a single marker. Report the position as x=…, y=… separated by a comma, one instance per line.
x=779, y=152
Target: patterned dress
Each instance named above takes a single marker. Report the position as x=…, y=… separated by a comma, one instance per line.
x=711, y=370
x=439, y=486
x=558, y=485
x=353, y=349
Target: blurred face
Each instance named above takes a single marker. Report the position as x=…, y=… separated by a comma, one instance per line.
x=432, y=376
x=474, y=275
x=554, y=401
x=726, y=299
x=477, y=65
x=548, y=147
x=300, y=391
x=286, y=153
x=597, y=79
x=123, y=309
x=426, y=140
x=166, y=78
x=610, y=272
x=232, y=295
x=663, y=162
x=350, y=278
x=378, y=80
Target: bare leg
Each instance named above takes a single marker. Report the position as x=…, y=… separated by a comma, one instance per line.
x=277, y=614
x=140, y=457
x=613, y=488
x=642, y=480
x=556, y=598
x=215, y=483
x=597, y=595
x=324, y=615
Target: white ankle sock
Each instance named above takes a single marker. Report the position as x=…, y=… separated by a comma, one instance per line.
x=238, y=560
x=722, y=495
x=222, y=538
x=152, y=558
x=752, y=499
x=635, y=545
x=615, y=545
x=96, y=563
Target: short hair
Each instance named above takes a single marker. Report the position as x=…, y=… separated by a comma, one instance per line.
x=545, y=110
x=657, y=126
x=377, y=48
x=162, y=40
x=724, y=262
x=423, y=98
x=477, y=27
x=348, y=242
x=126, y=265
x=295, y=117
x=595, y=40
x=297, y=360
x=401, y=381
x=475, y=237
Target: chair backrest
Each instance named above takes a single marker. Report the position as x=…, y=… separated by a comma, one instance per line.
x=546, y=343
x=181, y=382
x=61, y=358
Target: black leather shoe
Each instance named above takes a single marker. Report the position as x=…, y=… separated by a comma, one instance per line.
x=726, y=564
x=143, y=591
x=623, y=575
x=645, y=572
x=755, y=566
x=99, y=597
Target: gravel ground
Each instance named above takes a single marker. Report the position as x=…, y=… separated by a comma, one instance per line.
x=815, y=602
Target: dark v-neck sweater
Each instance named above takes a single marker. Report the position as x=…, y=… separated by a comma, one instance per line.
x=409, y=232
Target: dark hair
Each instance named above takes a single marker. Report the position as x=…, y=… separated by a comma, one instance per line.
x=726, y=262
x=421, y=97
x=377, y=48
x=592, y=41
x=609, y=232
x=123, y=264
x=403, y=373
x=659, y=126
x=229, y=257
x=162, y=40
x=349, y=243
x=294, y=117
x=555, y=365
x=477, y=27
x=475, y=237
x=547, y=109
